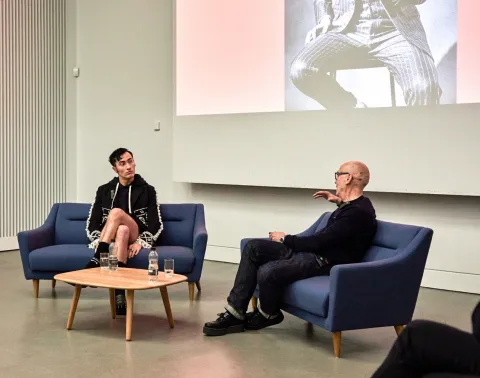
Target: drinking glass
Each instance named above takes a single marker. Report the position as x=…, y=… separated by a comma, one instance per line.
x=168, y=268
x=104, y=261
x=113, y=262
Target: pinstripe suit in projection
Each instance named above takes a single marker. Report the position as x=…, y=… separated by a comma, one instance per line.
x=387, y=30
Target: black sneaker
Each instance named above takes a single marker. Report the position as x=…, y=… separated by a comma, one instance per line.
x=93, y=263
x=226, y=323
x=250, y=315
x=256, y=321
x=120, y=302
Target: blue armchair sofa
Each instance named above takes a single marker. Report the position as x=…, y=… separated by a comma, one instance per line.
x=60, y=244
x=380, y=291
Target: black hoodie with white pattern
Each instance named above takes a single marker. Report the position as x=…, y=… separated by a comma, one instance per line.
x=143, y=207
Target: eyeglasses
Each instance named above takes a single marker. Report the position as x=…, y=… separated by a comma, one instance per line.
x=340, y=174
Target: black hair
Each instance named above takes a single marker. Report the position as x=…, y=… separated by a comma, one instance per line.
x=116, y=155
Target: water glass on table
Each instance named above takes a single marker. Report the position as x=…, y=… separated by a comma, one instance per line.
x=113, y=262
x=168, y=268
x=104, y=261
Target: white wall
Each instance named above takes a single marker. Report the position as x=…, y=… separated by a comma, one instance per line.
x=417, y=150
x=125, y=55
x=71, y=100
x=36, y=128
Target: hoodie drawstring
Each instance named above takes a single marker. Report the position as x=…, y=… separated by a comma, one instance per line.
x=130, y=199
x=113, y=199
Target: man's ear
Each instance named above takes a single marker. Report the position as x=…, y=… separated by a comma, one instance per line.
x=115, y=169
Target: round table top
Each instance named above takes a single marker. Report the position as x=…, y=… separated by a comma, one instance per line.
x=123, y=278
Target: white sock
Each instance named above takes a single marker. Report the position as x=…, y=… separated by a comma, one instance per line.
x=265, y=314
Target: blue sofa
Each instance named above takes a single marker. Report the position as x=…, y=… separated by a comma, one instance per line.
x=380, y=291
x=60, y=244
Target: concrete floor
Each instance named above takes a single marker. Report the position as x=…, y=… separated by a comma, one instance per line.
x=35, y=343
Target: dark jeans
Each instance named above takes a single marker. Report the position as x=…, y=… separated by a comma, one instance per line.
x=273, y=266
x=427, y=347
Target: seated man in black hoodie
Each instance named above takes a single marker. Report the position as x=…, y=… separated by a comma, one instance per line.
x=426, y=347
x=125, y=210
x=284, y=259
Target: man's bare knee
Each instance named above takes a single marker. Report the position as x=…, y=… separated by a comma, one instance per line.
x=123, y=232
x=116, y=214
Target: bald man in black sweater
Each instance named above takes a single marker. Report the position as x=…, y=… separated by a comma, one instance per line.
x=274, y=264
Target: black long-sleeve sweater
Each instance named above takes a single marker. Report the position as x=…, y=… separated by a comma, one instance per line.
x=347, y=236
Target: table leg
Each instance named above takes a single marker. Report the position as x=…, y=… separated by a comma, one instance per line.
x=73, y=308
x=166, y=303
x=113, y=305
x=129, y=314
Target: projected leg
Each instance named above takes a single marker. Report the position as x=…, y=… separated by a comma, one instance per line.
x=326, y=53
x=414, y=70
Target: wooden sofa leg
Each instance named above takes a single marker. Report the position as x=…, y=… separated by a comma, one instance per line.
x=191, y=290
x=199, y=287
x=399, y=329
x=54, y=282
x=337, y=343
x=36, y=284
x=254, y=302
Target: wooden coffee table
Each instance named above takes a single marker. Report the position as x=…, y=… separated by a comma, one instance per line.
x=125, y=278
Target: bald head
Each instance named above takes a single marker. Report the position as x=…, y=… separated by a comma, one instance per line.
x=359, y=172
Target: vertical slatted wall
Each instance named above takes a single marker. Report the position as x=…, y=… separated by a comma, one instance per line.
x=32, y=111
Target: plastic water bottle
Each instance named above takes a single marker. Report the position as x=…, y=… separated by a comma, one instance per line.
x=111, y=248
x=113, y=256
x=153, y=265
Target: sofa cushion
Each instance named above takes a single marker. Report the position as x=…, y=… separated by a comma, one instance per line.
x=184, y=259
x=71, y=223
x=60, y=258
x=68, y=257
x=311, y=294
x=394, y=235
x=178, y=221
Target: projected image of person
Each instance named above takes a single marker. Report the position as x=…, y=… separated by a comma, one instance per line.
x=349, y=32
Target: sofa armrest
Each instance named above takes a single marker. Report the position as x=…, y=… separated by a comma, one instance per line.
x=308, y=232
x=311, y=230
x=244, y=242
x=40, y=237
x=371, y=294
x=28, y=241
x=200, y=238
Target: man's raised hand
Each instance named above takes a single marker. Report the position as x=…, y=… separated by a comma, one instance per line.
x=328, y=196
